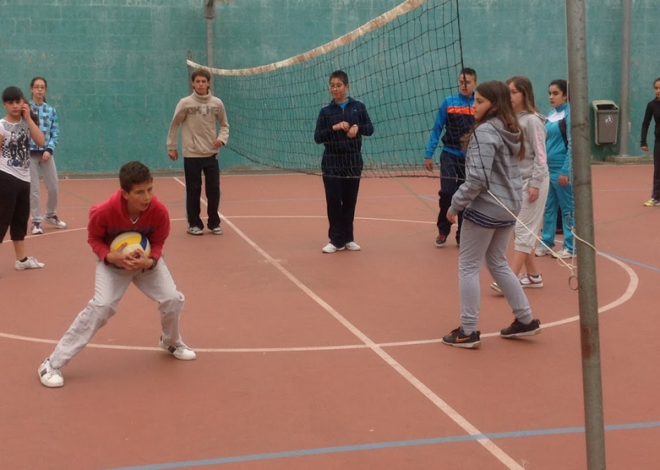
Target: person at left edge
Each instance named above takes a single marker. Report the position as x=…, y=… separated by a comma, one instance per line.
x=16, y=130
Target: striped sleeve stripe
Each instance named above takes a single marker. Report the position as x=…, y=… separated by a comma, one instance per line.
x=467, y=110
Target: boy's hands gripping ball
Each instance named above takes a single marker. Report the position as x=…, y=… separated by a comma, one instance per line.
x=136, y=244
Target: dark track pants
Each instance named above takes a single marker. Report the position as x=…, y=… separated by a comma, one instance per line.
x=193, y=168
x=341, y=198
x=14, y=206
x=656, y=171
x=452, y=175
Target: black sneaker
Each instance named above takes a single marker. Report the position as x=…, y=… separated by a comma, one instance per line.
x=441, y=240
x=459, y=339
x=518, y=329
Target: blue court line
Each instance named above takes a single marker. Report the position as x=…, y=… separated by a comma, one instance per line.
x=626, y=260
x=383, y=445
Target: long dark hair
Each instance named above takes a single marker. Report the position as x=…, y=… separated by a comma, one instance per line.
x=500, y=98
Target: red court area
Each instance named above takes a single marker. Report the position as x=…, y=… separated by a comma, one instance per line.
x=316, y=361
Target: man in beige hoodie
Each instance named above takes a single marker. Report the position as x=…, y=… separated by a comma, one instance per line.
x=197, y=115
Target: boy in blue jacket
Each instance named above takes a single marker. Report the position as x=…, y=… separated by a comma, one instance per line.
x=340, y=127
x=456, y=117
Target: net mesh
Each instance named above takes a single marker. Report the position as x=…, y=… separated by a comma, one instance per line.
x=401, y=65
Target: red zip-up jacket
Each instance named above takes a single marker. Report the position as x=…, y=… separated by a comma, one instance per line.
x=110, y=218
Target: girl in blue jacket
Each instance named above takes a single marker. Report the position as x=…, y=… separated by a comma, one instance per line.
x=560, y=165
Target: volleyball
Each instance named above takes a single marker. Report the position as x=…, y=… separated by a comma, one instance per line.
x=134, y=241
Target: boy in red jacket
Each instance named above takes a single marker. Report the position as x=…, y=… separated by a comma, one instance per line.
x=131, y=208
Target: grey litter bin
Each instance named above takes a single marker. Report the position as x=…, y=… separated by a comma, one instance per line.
x=606, y=121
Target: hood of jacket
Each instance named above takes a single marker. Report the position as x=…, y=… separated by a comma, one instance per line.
x=511, y=139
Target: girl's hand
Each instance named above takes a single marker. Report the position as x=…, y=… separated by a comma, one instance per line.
x=25, y=110
x=645, y=148
x=46, y=156
x=563, y=180
x=533, y=193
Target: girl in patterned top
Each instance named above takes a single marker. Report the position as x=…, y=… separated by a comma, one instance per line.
x=16, y=130
x=41, y=156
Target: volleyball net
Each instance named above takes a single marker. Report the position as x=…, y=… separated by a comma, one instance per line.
x=401, y=65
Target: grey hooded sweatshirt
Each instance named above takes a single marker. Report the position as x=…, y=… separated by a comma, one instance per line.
x=492, y=165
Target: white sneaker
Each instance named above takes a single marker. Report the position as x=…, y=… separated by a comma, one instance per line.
x=195, y=231
x=181, y=352
x=36, y=228
x=49, y=376
x=543, y=250
x=330, y=248
x=564, y=254
x=29, y=263
x=54, y=220
x=352, y=246
x=527, y=280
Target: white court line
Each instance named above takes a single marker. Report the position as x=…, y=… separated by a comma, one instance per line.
x=468, y=427
x=630, y=290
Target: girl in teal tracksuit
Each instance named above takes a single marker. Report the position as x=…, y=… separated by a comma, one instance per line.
x=560, y=162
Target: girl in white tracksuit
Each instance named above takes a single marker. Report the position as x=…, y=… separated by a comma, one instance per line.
x=534, y=173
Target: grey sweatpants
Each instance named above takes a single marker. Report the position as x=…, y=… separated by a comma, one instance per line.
x=111, y=284
x=479, y=245
x=49, y=170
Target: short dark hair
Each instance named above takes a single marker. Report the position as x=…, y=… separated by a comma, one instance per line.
x=12, y=93
x=341, y=75
x=202, y=72
x=468, y=71
x=133, y=173
x=656, y=80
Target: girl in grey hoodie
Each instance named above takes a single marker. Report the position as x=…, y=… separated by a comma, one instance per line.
x=490, y=198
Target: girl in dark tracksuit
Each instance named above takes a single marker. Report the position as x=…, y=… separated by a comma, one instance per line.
x=653, y=111
x=340, y=127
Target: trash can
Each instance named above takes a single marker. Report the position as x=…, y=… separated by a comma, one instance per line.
x=606, y=121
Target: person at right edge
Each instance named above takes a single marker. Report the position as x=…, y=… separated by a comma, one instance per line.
x=653, y=111
x=456, y=116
